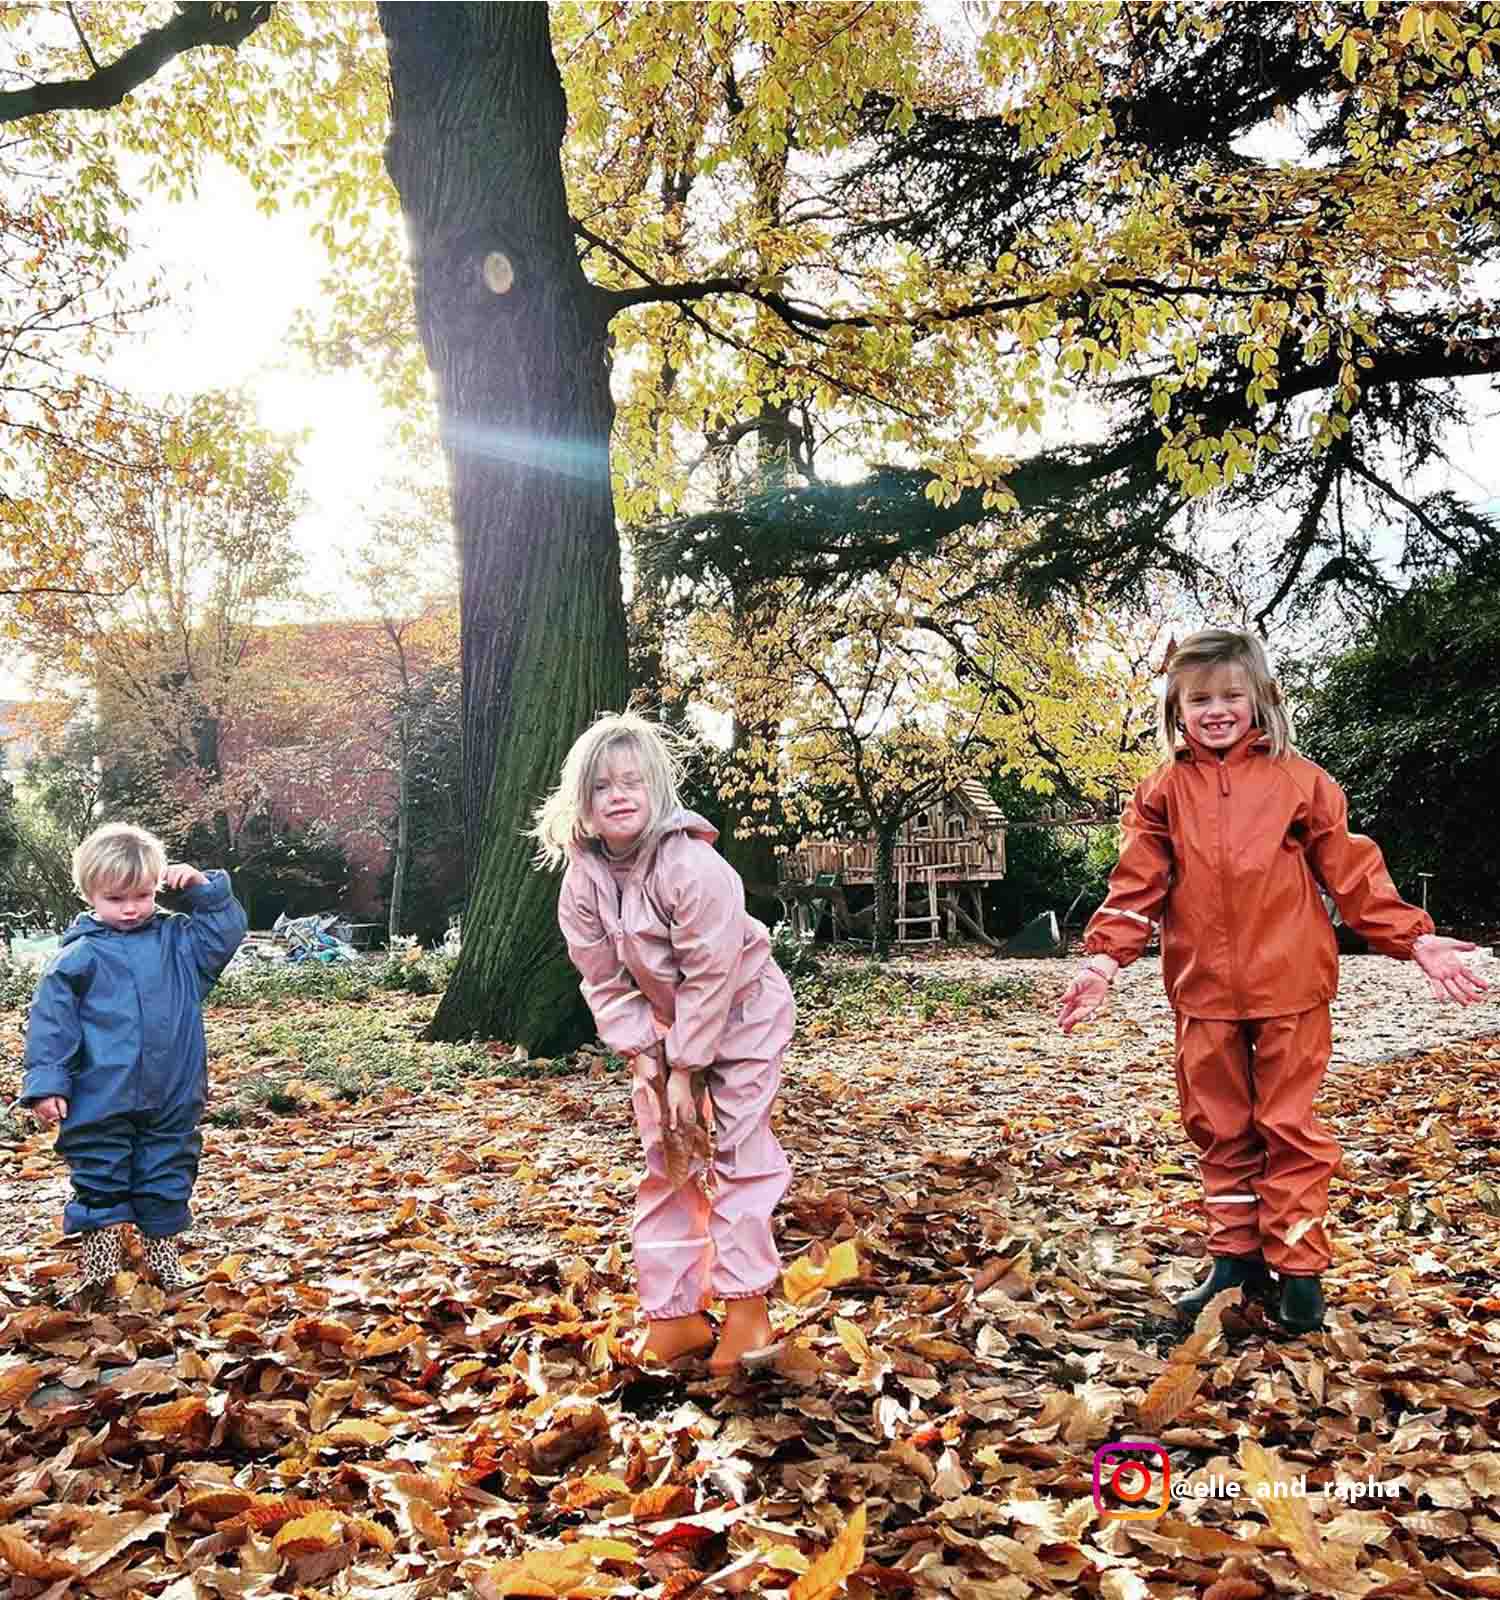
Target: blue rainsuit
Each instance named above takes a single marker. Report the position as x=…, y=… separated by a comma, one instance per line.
x=116, y=1029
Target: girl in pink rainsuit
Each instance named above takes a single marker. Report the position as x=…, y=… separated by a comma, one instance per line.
x=681, y=982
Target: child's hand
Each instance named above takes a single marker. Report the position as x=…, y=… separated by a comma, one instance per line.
x=682, y=1108
x=1082, y=998
x=179, y=875
x=1447, y=975
x=53, y=1109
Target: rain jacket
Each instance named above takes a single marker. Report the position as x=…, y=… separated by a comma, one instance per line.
x=1228, y=855
x=116, y=1029
x=675, y=946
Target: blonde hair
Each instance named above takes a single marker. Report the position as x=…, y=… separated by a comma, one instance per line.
x=564, y=820
x=1226, y=647
x=117, y=856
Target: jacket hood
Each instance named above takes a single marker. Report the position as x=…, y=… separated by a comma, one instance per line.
x=689, y=822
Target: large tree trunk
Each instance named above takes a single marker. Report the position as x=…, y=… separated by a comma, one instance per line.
x=515, y=336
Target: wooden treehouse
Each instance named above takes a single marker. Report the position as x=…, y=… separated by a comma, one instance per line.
x=943, y=857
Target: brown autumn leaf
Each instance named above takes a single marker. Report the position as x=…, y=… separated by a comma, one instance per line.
x=217, y=1503
x=588, y=1493
x=829, y=1571
x=350, y=1431
x=388, y=1338
x=1234, y=1589
x=1175, y=1389
x=666, y=1500
x=373, y=1533
x=18, y=1380
x=172, y=1419
x=577, y=1428
x=327, y=1400
x=24, y=1559
x=275, y=1511
x=104, y=1537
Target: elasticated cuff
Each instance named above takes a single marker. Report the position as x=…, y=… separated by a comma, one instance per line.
x=676, y=1308
x=749, y=1294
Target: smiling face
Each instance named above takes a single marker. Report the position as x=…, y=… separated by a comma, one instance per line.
x=619, y=803
x=124, y=906
x=1216, y=706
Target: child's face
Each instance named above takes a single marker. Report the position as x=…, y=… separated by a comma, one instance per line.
x=124, y=906
x=619, y=806
x=1216, y=706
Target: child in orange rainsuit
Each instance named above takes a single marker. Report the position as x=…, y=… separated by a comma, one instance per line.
x=681, y=981
x=1227, y=846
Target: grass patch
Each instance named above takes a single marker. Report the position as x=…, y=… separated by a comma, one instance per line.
x=356, y=1050
x=271, y=983
x=845, y=995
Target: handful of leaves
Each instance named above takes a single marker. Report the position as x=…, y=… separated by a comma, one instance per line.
x=687, y=1142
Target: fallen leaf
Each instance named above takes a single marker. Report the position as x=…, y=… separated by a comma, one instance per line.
x=18, y=1380
x=27, y=1561
x=828, y=1573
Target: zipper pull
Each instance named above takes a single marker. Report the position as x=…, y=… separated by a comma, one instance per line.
x=1224, y=777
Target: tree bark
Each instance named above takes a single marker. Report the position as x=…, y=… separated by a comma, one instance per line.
x=885, y=888
x=515, y=336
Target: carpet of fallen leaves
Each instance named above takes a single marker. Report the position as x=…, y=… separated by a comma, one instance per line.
x=405, y=1371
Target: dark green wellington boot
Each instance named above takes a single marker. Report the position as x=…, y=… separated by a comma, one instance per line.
x=1230, y=1272
x=1301, y=1307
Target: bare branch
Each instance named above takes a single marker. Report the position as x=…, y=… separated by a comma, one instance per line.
x=192, y=25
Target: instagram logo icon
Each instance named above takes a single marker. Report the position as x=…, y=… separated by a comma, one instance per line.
x=1127, y=1488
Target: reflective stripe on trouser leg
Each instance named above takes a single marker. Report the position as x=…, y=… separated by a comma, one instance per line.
x=1215, y=1097
x=1290, y=1060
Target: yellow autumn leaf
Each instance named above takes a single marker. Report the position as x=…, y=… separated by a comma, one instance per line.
x=807, y=1277
x=1270, y=1486
x=318, y=1531
x=828, y=1573
x=853, y=1340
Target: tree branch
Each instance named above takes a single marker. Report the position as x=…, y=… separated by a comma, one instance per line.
x=192, y=25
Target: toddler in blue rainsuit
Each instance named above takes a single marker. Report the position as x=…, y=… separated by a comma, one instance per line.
x=115, y=1050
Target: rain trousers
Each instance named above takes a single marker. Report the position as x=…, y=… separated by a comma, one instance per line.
x=1228, y=854
x=116, y=1029
x=671, y=953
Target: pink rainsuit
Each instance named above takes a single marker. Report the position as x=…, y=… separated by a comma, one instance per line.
x=671, y=951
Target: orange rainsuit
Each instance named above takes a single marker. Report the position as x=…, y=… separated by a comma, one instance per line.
x=1228, y=853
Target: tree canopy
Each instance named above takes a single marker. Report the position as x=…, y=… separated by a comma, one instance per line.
x=1235, y=257
x=1407, y=718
